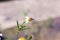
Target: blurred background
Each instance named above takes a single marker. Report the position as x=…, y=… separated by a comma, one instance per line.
x=12, y=10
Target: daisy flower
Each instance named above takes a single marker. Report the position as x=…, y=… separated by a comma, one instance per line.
x=28, y=19
x=1, y=34
x=22, y=38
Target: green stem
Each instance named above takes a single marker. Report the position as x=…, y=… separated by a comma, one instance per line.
x=17, y=34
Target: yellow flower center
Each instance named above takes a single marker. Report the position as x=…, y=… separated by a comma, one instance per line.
x=29, y=19
x=22, y=38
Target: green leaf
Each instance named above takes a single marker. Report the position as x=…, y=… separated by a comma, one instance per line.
x=26, y=28
x=26, y=12
x=29, y=37
x=18, y=25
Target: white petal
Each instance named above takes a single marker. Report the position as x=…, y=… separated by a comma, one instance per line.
x=1, y=34
x=26, y=17
x=19, y=39
x=27, y=21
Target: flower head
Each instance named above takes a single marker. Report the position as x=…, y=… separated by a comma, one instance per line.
x=28, y=19
x=1, y=34
x=22, y=38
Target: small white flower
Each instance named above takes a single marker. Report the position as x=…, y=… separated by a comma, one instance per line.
x=22, y=38
x=1, y=34
x=28, y=19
